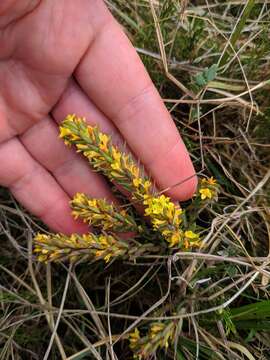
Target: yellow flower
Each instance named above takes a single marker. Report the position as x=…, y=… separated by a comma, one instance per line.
x=147, y=185
x=90, y=154
x=178, y=212
x=43, y=258
x=156, y=328
x=116, y=154
x=81, y=147
x=116, y=175
x=134, y=337
x=191, y=235
x=206, y=193
x=64, y=132
x=41, y=238
x=210, y=181
x=156, y=205
x=79, y=198
x=103, y=240
x=88, y=239
x=107, y=258
x=71, y=117
x=91, y=202
x=90, y=131
x=44, y=251
x=137, y=182
x=116, y=165
x=174, y=239
x=157, y=223
x=135, y=171
x=191, y=239
x=103, y=142
x=99, y=253
x=37, y=249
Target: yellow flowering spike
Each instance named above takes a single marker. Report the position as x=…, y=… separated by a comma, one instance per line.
x=100, y=213
x=122, y=170
x=101, y=153
x=57, y=247
x=160, y=335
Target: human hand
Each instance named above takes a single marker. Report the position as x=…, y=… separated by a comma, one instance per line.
x=60, y=57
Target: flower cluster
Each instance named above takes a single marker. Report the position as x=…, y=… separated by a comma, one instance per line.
x=162, y=211
x=208, y=189
x=166, y=217
x=103, y=156
x=60, y=247
x=101, y=214
x=159, y=336
x=56, y=247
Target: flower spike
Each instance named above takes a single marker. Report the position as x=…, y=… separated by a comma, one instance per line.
x=101, y=214
x=166, y=217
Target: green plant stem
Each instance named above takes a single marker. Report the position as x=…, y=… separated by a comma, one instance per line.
x=237, y=31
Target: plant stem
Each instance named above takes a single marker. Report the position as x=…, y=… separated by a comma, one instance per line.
x=237, y=31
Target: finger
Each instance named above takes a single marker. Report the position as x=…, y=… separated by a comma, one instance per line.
x=35, y=188
x=68, y=168
x=113, y=76
x=75, y=101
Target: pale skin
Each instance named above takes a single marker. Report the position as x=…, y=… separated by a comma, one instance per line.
x=66, y=56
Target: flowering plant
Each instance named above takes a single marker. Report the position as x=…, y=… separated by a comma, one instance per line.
x=171, y=226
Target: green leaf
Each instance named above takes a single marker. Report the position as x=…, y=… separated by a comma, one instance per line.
x=200, y=80
x=256, y=311
x=207, y=75
x=211, y=73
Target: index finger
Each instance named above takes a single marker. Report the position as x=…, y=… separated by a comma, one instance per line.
x=113, y=76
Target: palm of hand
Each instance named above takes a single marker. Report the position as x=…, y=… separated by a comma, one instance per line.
x=65, y=56
x=39, y=53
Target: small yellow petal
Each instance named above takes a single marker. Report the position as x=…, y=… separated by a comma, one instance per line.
x=116, y=154
x=116, y=165
x=191, y=235
x=137, y=182
x=104, y=139
x=64, y=132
